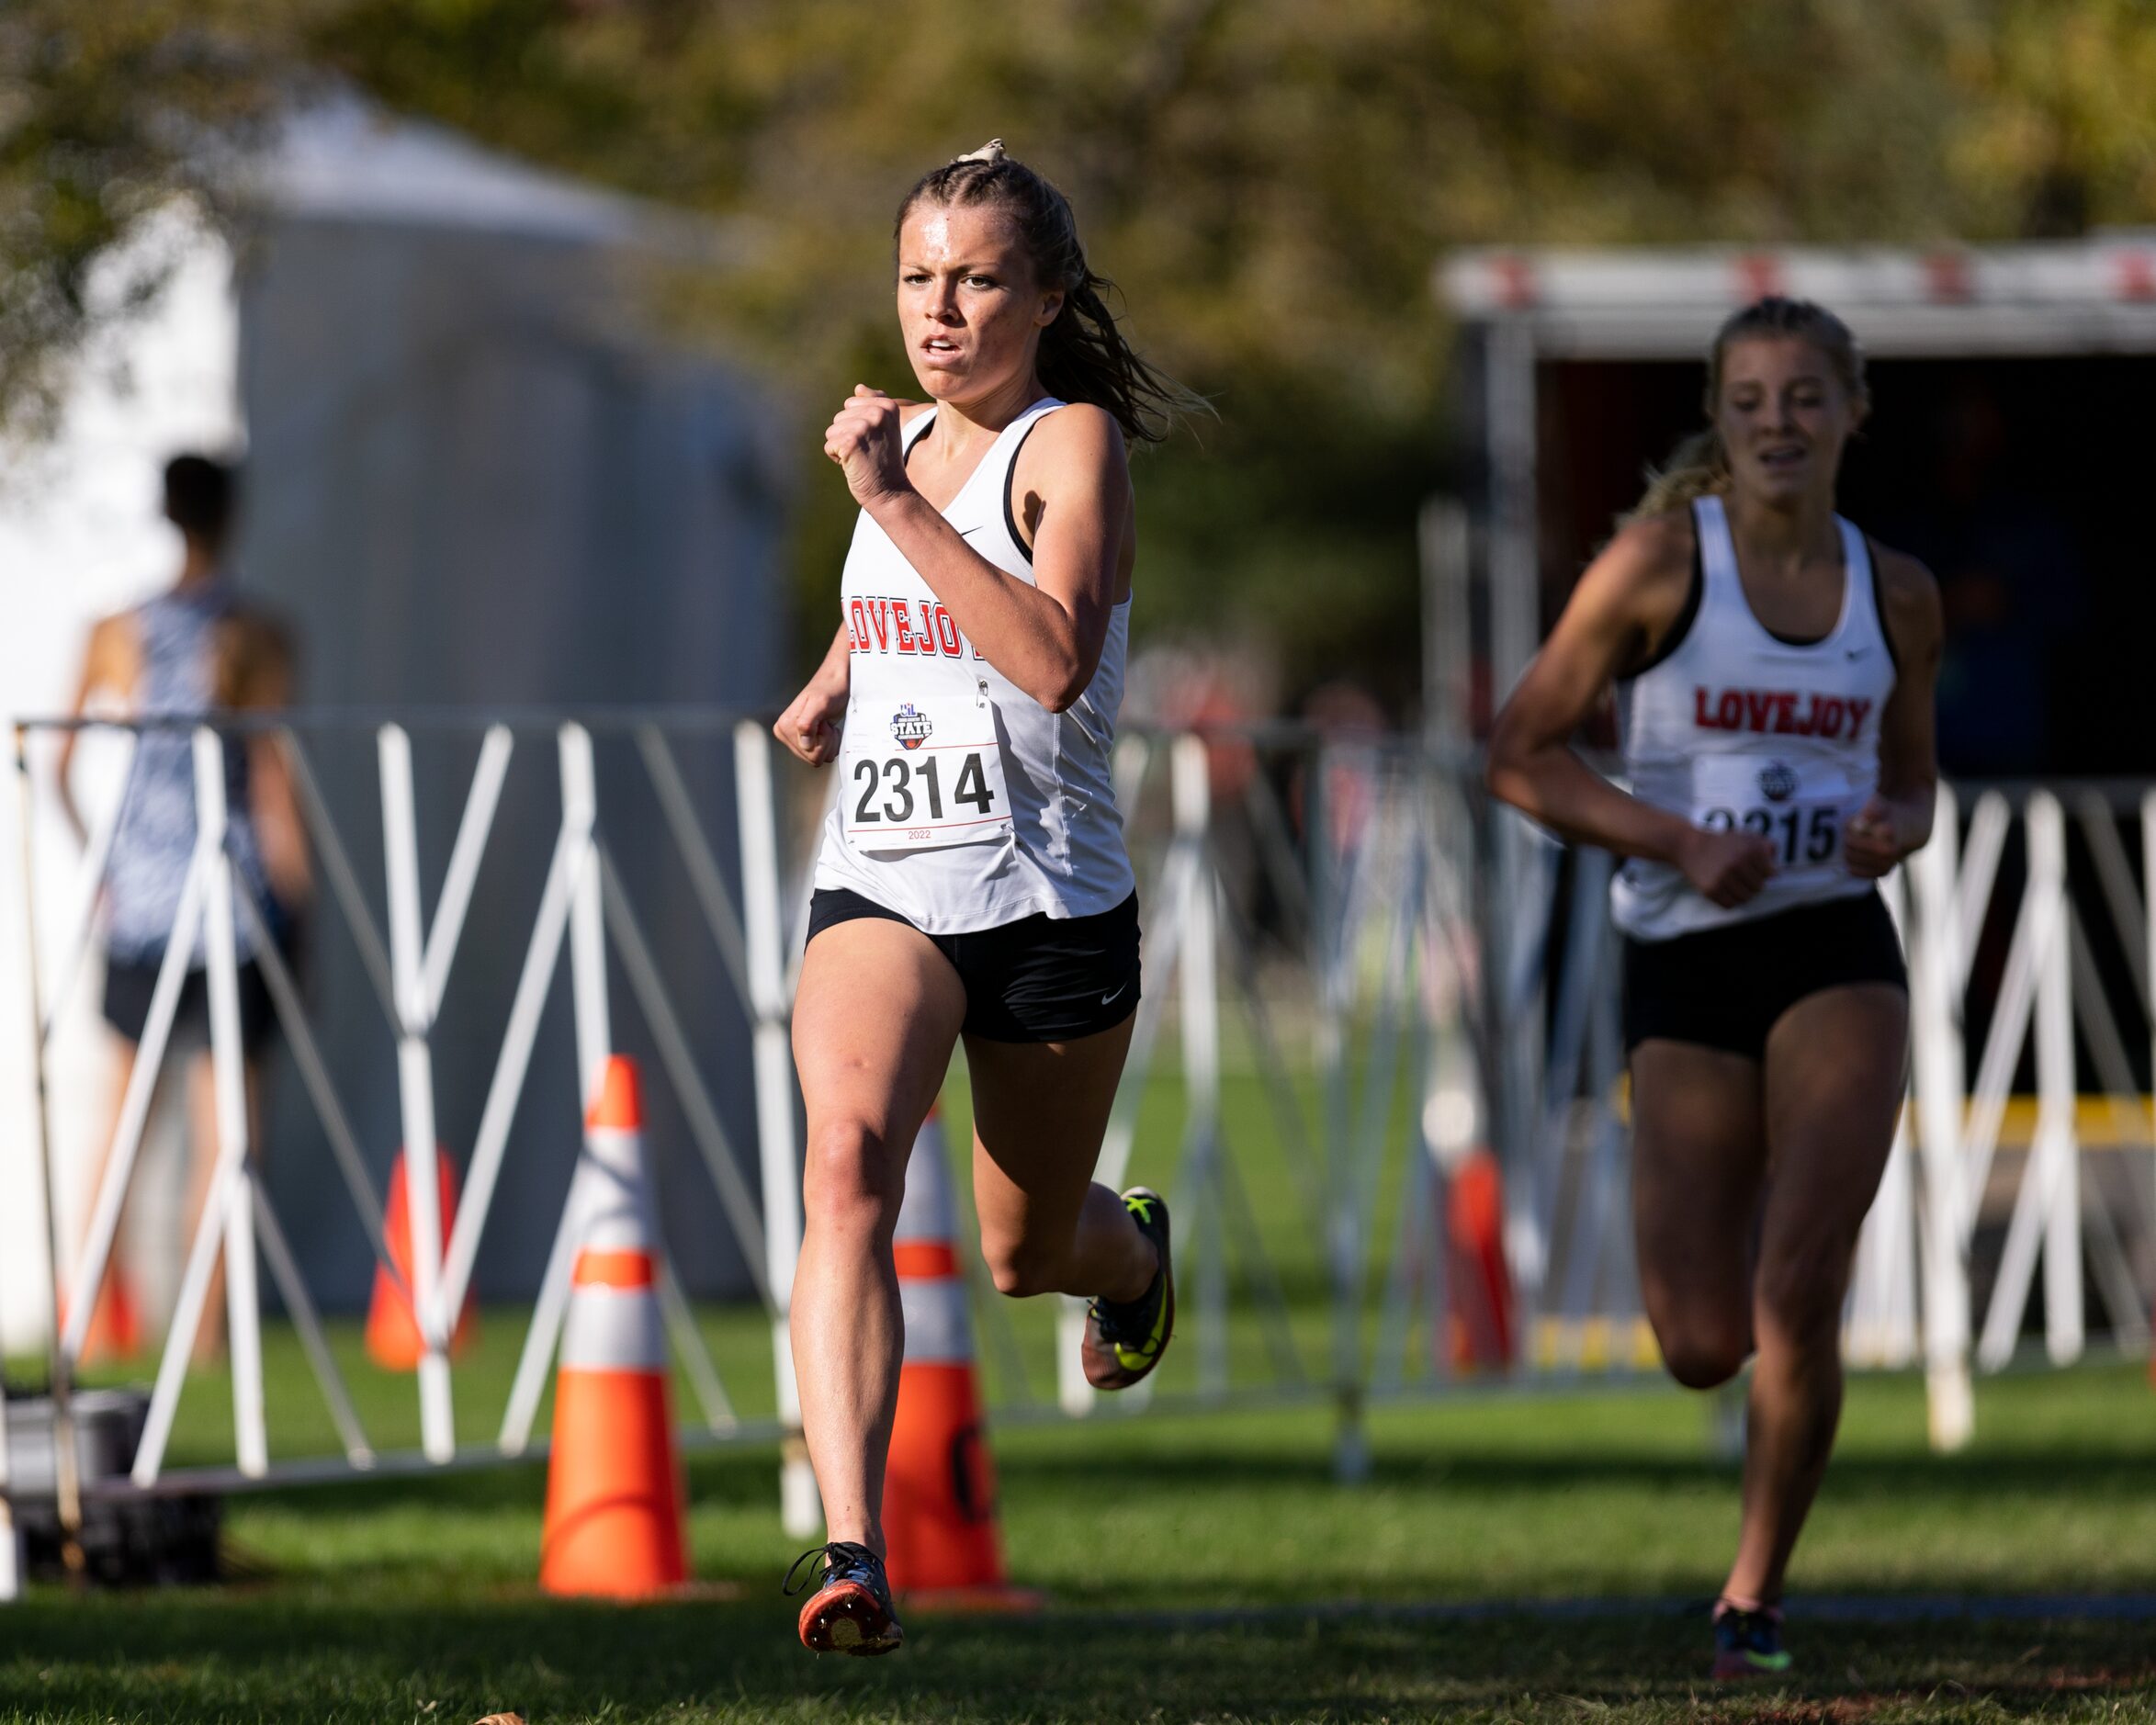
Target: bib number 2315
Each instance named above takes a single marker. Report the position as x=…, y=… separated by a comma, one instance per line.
x=1800, y=817
x=930, y=773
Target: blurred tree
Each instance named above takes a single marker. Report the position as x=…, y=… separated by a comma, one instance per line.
x=1272, y=181
x=105, y=112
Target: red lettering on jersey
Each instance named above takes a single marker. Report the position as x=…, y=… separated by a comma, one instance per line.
x=1779, y=711
x=857, y=629
x=879, y=613
x=947, y=635
x=901, y=626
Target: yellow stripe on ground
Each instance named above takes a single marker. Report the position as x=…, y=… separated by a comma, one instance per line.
x=1595, y=1345
x=2100, y=1122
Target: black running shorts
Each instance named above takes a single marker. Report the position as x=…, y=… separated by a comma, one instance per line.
x=1725, y=988
x=1040, y=979
x=129, y=987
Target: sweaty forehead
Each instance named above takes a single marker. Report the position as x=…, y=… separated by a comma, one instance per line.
x=957, y=233
x=1774, y=359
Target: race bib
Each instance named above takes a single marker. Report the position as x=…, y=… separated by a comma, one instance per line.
x=1800, y=814
x=926, y=772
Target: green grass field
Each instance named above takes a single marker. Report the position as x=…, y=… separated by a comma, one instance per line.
x=415, y=1600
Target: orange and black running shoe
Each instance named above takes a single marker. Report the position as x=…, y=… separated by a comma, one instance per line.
x=850, y=1610
x=1125, y=1340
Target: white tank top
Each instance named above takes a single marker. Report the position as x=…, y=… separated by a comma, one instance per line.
x=963, y=802
x=1732, y=726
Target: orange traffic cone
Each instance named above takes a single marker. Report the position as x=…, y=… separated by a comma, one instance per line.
x=940, y=1487
x=115, y=1335
x=1477, y=1281
x=613, y=1483
x=392, y=1333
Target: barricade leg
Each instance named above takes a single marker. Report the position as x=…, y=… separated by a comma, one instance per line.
x=779, y=1160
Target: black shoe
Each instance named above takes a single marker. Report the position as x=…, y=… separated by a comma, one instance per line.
x=1748, y=1644
x=1125, y=1340
x=851, y=1611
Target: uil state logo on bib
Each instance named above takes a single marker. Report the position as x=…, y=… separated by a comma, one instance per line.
x=1798, y=808
x=911, y=727
x=938, y=781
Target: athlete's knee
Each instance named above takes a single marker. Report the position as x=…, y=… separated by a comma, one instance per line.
x=1021, y=1267
x=848, y=1180
x=1799, y=1293
x=1704, y=1353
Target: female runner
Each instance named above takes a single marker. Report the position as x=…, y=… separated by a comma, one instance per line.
x=1774, y=673
x=973, y=881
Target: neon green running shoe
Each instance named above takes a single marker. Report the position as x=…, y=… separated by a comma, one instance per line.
x=1748, y=1644
x=1125, y=1340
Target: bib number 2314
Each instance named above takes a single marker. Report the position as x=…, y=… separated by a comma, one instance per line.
x=928, y=773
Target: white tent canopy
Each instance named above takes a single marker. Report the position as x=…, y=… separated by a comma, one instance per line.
x=475, y=474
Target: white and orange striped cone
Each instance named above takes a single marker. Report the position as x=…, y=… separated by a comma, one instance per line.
x=940, y=1486
x=613, y=1483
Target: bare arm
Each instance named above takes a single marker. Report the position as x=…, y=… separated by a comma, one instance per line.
x=812, y=725
x=1898, y=818
x=262, y=681
x=1045, y=634
x=1626, y=600
x=107, y=663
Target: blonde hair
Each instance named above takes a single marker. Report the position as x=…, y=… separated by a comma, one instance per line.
x=1699, y=466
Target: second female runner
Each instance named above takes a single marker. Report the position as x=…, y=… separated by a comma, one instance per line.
x=1774, y=671
x=973, y=882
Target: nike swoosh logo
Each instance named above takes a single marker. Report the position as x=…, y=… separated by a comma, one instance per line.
x=967, y=532
x=1107, y=998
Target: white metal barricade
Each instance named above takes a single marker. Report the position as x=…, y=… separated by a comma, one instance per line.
x=1393, y=974
x=1914, y=1294
x=582, y=904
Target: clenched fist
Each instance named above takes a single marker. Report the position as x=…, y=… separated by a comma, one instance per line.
x=1728, y=868
x=1872, y=843
x=814, y=724
x=864, y=440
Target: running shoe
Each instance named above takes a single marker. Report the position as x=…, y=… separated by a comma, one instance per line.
x=850, y=1610
x=1748, y=1644
x=1124, y=1339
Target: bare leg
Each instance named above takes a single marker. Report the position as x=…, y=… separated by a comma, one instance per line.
x=1834, y=1076
x=1039, y=1111
x=204, y=1144
x=123, y=1071
x=874, y=1021
x=1698, y=1162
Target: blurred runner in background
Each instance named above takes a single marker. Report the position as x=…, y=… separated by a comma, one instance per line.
x=194, y=650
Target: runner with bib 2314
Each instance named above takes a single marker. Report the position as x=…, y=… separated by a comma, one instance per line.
x=972, y=882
